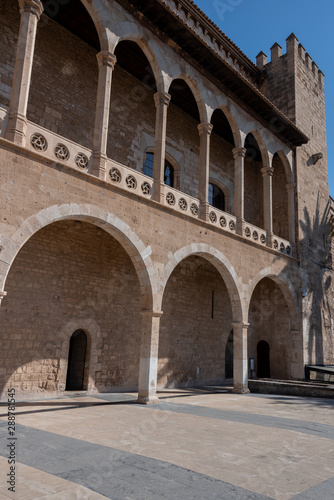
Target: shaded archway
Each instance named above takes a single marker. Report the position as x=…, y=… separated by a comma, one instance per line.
x=77, y=356
x=132, y=101
x=182, y=122
x=58, y=99
x=280, y=199
x=221, y=156
x=195, y=325
x=253, y=182
x=271, y=323
x=71, y=269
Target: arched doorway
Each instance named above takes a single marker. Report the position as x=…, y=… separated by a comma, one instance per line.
x=76, y=361
x=229, y=357
x=263, y=359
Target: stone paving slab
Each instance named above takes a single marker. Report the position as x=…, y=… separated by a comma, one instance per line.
x=116, y=474
x=192, y=445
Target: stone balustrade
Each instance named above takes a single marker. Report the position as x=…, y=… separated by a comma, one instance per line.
x=282, y=245
x=129, y=179
x=255, y=234
x=58, y=148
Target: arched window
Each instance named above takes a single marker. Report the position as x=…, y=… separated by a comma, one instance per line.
x=169, y=170
x=216, y=197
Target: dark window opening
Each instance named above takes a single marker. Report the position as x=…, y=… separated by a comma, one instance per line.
x=169, y=170
x=216, y=197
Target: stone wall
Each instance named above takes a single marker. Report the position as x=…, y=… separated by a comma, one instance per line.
x=195, y=325
x=269, y=321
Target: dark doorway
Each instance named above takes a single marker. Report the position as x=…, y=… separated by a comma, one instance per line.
x=229, y=357
x=76, y=361
x=263, y=359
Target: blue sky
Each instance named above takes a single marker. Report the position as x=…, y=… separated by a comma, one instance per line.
x=255, y=25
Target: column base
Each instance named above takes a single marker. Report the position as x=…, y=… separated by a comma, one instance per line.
x=158, y=191
x=204, y=211
x=16, y=131
x=270, y=240
x=240, y=389
x=147, y=400
x=240, y=227
x=99, y=167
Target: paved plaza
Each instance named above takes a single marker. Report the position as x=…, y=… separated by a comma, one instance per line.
x=195, y=444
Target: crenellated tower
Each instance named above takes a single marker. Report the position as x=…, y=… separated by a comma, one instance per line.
x=295, y=84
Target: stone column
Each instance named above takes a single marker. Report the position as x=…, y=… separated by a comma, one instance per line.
x=162, y=100
x=240, y=358
x=239, y=187
x=148, y=367
x=31, y=11
x=267, y=173
x=106, y=61
x=204, y=130
x=292, y=214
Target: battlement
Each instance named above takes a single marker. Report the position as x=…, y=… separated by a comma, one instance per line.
x=294, y=50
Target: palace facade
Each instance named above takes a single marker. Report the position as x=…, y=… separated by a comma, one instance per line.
x=165, y=214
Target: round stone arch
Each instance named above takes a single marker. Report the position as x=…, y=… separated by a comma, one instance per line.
x=131, y=32
x=93, y=333
x=287, y=290
x=135, y=248
x=196, y=91
x=220, y=262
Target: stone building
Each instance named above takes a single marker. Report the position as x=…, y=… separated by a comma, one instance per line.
x=165, y=215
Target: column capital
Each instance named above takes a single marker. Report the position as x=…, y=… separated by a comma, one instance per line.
x=105, y=58
x=205, y=128
x=2, y=295
x=267, y=171
x=237, y=152
x=241, y=324
x=153, y=314
x=291, y=187
x=33, y=6
x=162, y=98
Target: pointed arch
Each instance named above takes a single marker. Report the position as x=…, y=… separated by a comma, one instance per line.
x=196, y=92
x=232, y=122
x=287, y=166
x=262, y=146
x=131, y=32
